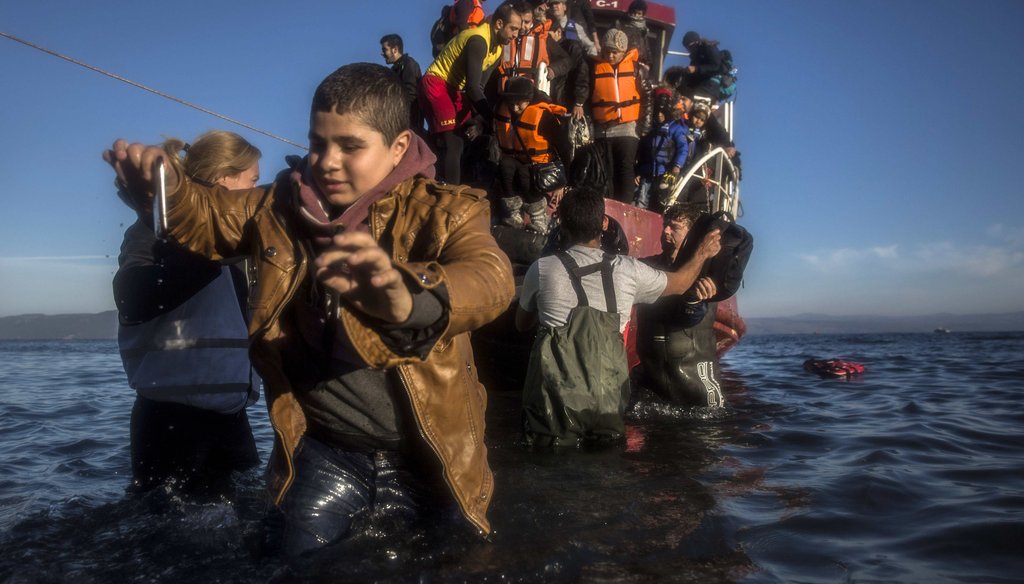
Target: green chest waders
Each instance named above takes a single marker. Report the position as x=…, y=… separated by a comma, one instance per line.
x=577, y=381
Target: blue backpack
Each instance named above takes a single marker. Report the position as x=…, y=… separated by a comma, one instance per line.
x=726, y=80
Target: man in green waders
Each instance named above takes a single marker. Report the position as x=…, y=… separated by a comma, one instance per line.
x=577, y=382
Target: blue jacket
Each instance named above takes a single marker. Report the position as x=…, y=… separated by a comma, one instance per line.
x=664, y=148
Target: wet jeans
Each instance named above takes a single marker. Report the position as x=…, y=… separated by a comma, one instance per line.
x=333, y=488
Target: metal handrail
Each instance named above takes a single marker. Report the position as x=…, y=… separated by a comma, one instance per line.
x=727, y=192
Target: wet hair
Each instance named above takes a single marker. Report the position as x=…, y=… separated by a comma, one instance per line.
x=214, y=155
x=393, y=40
x=369, y=91
x=686, y=212
x=581, y=215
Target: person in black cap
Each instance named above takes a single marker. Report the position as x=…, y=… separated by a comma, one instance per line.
x=528, y=129
x=705, y=63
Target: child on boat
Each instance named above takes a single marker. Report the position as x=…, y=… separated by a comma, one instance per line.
x=663, y=152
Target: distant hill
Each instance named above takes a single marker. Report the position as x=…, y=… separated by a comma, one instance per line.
x=30, y=327
x=103, y=325
x=825, y=324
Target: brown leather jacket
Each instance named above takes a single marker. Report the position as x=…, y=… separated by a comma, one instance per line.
x=436, y=233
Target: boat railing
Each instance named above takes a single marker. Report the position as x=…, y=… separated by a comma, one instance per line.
x=718, y=174
x=716, y=171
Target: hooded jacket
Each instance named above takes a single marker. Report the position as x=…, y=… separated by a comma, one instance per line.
x=437, y=235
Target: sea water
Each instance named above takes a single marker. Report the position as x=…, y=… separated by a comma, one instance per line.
x=913, y=472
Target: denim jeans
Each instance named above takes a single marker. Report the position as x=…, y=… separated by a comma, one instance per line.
x=642, y=198
x=334, y=487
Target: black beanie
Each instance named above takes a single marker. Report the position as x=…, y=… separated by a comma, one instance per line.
x=518, y=89
x=637, y=5
x=690, y=38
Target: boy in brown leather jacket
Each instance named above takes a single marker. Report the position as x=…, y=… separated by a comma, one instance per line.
x=370, y=277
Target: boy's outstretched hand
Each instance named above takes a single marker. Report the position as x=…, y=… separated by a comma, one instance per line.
x=362, y=273
x=134, y=165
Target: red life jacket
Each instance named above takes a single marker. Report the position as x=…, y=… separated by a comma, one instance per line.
x=520, y=137
x=616, y=96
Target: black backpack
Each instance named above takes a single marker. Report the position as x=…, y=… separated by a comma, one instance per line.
x=589, y=168
x=726, y=268
x=441, y=31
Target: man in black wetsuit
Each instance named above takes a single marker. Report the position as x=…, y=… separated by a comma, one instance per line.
x=675, y=338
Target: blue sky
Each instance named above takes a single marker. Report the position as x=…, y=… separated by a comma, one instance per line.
x=881, y=140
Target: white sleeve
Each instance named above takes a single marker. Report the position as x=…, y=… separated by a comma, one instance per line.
x=530, y=287
x=650, y=282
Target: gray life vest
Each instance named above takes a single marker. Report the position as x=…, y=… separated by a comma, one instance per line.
x=577, y=380
x=196, y=354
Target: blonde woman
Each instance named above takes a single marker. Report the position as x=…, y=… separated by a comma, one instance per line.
x=183, y=338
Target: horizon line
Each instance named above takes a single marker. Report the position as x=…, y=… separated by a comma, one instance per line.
x=52, y=258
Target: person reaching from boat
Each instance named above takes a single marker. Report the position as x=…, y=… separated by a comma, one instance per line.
x=695, y=191
x=620, y=106
x=451, y=92
x=678, y=356
x=408, y=70
x=371, y=277
x=697, y=119
x=663, y=152
x=183, y=337
x=529, y=131
x=577, y=380
x=705, y=133
x=713, y=132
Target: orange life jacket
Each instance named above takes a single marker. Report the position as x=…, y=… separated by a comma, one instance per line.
x=476, y=16
x=616, y=96
x=522, y=55
x=520, y=137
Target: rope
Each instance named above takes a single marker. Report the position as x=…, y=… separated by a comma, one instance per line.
x=143, y=87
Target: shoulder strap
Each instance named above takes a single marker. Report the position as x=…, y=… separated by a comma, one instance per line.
x=572, y=267
x=608, y=282
x=576, y=273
